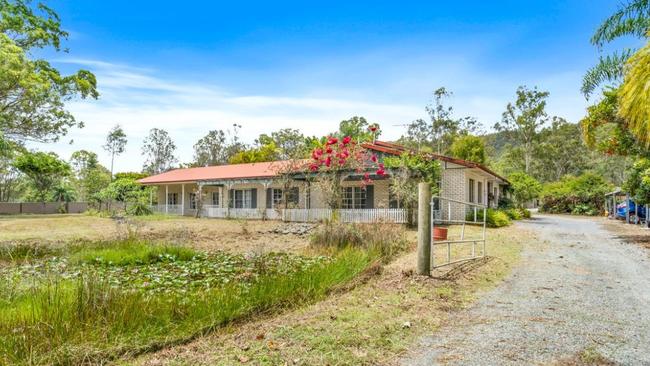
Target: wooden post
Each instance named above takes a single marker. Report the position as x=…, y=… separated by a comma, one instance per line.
x=424, y=229
x=198, y=206
x=182, y=199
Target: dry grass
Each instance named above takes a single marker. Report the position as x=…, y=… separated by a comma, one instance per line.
x=587, y=357
x=635, y=234
x=373, y=323
x=203, y=234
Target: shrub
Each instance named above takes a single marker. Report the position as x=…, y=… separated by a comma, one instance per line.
x=517, y=213
x=386, y=239
x=495, y=218
x=513, y=214
x=524, y=188
x=582, y=195
x=524, y=213
x=139, y=208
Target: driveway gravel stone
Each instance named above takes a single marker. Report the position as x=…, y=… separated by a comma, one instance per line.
x=578, y=288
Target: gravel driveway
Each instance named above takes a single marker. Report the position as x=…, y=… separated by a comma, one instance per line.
x=577, y=291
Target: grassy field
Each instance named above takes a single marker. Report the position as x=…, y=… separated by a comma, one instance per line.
x=166, y=290
x=373, y=323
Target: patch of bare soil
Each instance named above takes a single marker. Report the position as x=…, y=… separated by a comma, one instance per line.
x=629, y=233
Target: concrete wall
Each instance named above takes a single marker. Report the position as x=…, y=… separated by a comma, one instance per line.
x=15, y=208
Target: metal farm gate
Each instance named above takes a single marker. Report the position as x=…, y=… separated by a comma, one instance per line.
x=459, y=227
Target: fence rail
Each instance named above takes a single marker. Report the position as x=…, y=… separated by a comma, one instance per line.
x=399, y=216
x=359, y=215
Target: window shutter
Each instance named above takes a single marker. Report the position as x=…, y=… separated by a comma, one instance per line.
x=370, y=196
x=254, y=198
x=231, y=198
x=269, y=197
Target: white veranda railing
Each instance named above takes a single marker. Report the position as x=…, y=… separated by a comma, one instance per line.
x=395, y=215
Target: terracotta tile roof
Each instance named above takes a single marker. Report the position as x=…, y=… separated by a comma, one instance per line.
x=395, y=149
x=232, y=171
x=272, y=169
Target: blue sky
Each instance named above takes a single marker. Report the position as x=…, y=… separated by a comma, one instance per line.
x=191, y=67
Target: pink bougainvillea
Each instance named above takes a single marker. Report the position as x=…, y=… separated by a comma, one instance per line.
x=346, y=155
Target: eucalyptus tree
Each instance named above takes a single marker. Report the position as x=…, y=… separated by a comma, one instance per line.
x=90, y=177
x=33, y=92
x=418, y=133
x=115, y=144
x=444, y=127
x=523, y=119
x=158, y=148
x=211, y=149
x=290, y=143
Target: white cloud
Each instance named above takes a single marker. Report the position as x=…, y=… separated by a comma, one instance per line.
x=141, y=98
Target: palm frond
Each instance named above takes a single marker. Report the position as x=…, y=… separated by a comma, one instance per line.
x=609, y=68
x=635, y=95
x=632, y=19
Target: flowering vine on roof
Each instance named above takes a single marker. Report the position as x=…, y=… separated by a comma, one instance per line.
x=339, y=155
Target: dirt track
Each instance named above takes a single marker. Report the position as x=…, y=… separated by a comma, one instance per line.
x=579, y=295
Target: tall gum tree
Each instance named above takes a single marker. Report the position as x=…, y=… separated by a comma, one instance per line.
x=523, y=119
x=32, y=92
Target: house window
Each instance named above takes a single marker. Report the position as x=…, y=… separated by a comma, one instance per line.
x=215, y=198
x=172, y=198
x=489, y=190
x=276, y=197
x=193, y=201
x=293, y=196
x=354, y=198
x=479, y=191
x=243, y=198
x=393, y=200
x=471, y=190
